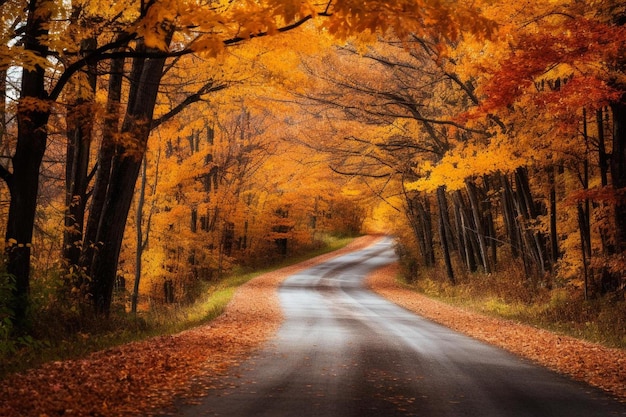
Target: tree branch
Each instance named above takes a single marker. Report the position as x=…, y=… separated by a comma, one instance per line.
x=205, y=89
x=102, y=54
x=7, y=176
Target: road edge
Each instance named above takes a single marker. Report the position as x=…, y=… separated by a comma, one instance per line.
x=594, y=364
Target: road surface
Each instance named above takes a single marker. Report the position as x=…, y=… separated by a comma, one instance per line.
x=344, y=351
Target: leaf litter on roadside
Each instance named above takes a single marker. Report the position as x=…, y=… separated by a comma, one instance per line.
x=144, y=378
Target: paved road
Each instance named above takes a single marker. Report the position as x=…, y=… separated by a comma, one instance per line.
x=343, y=351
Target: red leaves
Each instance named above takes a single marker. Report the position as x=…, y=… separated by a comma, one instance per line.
x=587, y=49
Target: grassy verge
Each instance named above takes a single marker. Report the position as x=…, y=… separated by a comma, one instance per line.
x=123, y=327
x=507, y=295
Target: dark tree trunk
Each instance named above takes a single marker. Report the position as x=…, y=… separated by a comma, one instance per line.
x=426, y=226
x=139, y=237
x=554, y=238
x=490, y=228
x=603, y=157
x=3, y=108
x=618, y=172
x=79, y=135
x=32, y=119
x=528, y=213
x=458, y=222
x=472, y=193
x=105, y=160
x=419, y=219
x=467, y=238
x=508, y=213
x=444, y=232
x=124, y=172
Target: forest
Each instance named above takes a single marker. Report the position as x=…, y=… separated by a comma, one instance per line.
x=150, y=147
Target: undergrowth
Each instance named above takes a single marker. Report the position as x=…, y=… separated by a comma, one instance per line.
x=508, y=294
x=57, y=335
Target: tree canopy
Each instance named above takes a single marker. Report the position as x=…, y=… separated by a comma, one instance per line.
x=166, y=142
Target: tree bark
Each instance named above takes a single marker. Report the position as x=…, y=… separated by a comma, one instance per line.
x=139, y=237
x=124, y=173
x=467, y=238
x=618, y=171
x=554, y=238
x=478, y=223
x=528, y=212
x=426, y=227
x=444, y=222
x=508, y=213
x=32, y=119
x=79, y=136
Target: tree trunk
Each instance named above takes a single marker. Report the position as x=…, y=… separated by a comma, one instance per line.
x=124, y=173
x=32, y=119
x=618, y=171
x=419, y=220
x=426, y=226
x=527, y=210
x=603, y=157
x=509, y=216
x=139, y=237
x=467, y=239
x=3, y=109
x=103, y=174
x=444, y=222
x=461, y=244
x=478, y=223
x=79, y=135
x=554, y=238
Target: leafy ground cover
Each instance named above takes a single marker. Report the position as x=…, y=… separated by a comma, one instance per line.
x=144, y=377
x=61, y=334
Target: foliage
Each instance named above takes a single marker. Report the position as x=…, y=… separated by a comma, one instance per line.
x=61, y=334
x=480, y=135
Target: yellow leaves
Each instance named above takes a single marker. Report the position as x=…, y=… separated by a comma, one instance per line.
x=293, y=10
x=156, y=27
x=18, y=57
x=208, y=46
x=467, y=162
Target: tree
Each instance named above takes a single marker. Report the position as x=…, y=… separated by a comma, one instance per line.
x=144, y=34
x=23, y=181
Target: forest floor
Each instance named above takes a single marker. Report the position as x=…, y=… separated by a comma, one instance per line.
x=144, y=378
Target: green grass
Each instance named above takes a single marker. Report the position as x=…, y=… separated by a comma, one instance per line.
x=507, y=295
x=124, y=327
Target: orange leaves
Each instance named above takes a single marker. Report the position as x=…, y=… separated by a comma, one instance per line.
x=404, y=18
x=29, y=105
x=142, y=378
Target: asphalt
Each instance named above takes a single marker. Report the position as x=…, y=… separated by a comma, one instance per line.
x=344, y=351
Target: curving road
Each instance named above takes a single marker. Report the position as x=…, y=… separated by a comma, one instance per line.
x=344, y=351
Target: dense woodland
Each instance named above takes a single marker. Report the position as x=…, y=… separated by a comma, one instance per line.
x=147, y=147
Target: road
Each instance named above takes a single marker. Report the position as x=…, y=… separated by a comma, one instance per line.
x=344, y=351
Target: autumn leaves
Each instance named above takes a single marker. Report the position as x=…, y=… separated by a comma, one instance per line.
x=444, y=120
